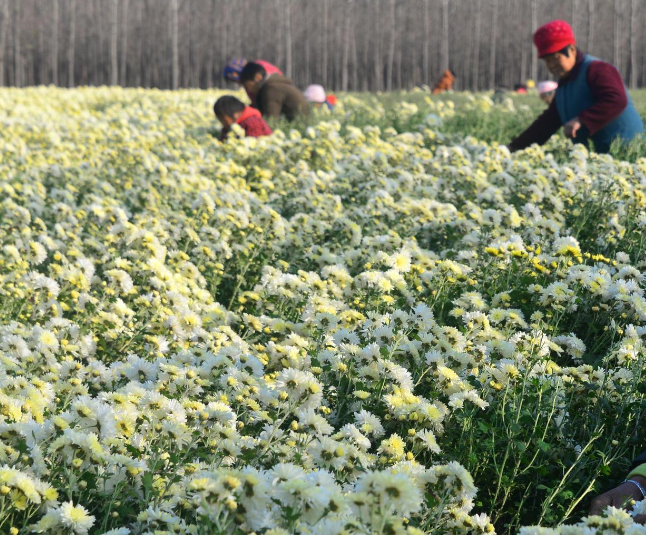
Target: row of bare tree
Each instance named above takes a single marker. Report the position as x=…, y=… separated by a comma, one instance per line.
x=343, y=44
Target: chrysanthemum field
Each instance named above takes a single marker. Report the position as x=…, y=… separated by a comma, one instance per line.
x=338, y=329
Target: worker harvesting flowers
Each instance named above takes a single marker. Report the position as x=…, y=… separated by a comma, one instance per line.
x=591, y=101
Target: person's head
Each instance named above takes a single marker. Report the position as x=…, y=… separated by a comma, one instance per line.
x=315, y=94
x=556, y=46
x=547, y=90
x=227, y=109
x=233, y=69
x=252, y=76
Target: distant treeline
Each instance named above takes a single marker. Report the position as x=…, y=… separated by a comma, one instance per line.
x=343, y=44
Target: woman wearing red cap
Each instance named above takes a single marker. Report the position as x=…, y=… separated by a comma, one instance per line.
x=591, y=101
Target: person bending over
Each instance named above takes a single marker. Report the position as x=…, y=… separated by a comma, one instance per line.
x=233, y=69
x=276, y=95
x=590, y=102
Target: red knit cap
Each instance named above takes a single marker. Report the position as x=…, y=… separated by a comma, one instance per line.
x=552, y=37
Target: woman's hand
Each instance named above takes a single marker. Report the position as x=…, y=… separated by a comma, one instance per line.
x=620, y=497
x=571, y=127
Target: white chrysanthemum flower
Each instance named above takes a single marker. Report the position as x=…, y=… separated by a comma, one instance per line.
x=37, y=253
x=350, y=432
x=401, y=261
x=15, y=345
x=369, y=424
x=538, y=530
x=75, y=517
x=566, y=245
x=122, y=279
x=639, y=508
x=428, y=440
x=44, y=340
x=117, y=531
x=393, y=491
x=39, y=281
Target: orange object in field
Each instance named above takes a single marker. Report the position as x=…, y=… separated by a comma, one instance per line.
x=445, y=83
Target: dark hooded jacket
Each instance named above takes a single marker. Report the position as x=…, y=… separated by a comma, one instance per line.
x=278, y=96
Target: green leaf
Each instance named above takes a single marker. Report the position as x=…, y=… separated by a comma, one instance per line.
x=544, y=446
x=147, y=482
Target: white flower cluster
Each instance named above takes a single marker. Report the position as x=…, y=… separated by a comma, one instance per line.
x=311, y=332
x=614, y=521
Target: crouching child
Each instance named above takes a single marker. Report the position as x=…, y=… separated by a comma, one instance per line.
x=229, y=111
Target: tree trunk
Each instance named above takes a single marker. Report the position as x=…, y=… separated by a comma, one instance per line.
x=590, y=25
x=146, y=64
x=3, y=38
x=534, y=28
x=326, y=28
x=71, y=44
x=445, y=34
x=617, y=32
x=225, y=36
x=124, y=43
x=175, y=43
x=289, y=70
x=280, y=59
x=114, y=42
x=523, y=62
x=366, y=61
x=378, y=59
x=88, y=67
x=345, y=73
x=399, y=68
x=54, y=58
x=633, y=44
x=210, y=46
x=476, y=47
x=426, y=56
x=391, y=49
x=44, y=72
x=199, y=50
x=575, y=15
x=191, y=60
x=17, y=52
x=354, y=83
x=492, y=50
x=308, y=51
x=136, y=80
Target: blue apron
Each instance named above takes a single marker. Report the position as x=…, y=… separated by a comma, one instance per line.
x=576, y=96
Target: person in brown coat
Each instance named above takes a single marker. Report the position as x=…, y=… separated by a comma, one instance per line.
x=275, y=95
x=445, y=83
